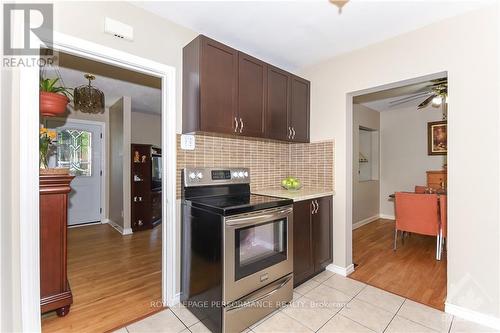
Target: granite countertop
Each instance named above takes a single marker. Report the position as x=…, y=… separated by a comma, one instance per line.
x=298, y=195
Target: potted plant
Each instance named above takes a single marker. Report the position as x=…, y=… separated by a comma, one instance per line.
x=53, y=99
x=47, y=139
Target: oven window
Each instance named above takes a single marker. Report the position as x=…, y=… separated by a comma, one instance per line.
x=259, y=247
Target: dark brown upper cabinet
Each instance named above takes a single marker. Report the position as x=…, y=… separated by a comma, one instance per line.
x=209, y=87
x=278, y=99
x=299, y=109
x=252, y=86
x=229, y=92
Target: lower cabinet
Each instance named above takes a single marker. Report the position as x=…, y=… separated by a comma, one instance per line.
x=312, y=237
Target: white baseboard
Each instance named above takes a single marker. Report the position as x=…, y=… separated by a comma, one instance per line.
x=124, y=232
x=386, y=216
x=470, y=315
x=176, y=300
x=344, y=271
x=365, y=221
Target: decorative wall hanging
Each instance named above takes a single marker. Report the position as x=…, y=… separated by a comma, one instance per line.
x=437, y=132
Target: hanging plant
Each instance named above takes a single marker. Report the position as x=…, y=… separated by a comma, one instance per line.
x=53, y=99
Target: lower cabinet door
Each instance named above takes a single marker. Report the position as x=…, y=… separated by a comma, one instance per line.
x=322, y=233
x=303, y=263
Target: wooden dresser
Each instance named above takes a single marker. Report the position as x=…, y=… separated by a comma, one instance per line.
x=436, y=179
x=55, y=293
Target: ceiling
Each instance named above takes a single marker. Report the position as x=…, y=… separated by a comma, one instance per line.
x=114, y=82
x=385, y=100
x=295, y=34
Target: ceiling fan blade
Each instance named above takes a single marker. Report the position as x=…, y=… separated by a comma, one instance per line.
x=409, y=98
x=427, y=101
x=394, y=104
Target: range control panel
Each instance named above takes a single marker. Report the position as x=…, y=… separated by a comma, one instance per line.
x=215, y=176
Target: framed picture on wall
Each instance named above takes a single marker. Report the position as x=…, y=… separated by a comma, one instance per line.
x=437, y=132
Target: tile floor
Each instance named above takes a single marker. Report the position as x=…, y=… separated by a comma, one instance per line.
x=327, y=303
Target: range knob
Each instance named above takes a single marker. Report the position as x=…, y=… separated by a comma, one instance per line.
x=192, y=175
x=235, y=174
x=199, y=175
x=245, y=174
x=240, y=174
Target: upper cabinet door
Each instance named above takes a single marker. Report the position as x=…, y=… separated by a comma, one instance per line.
x=218, y=87
x=278, y=98
x=252, y=86
x=299, y=109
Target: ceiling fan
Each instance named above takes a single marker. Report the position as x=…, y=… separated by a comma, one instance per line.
x=436, y=92
x=339, y=4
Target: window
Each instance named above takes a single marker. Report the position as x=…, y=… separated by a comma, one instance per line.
x=74, y=151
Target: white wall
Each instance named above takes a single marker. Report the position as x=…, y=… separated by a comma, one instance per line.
x=365, y=194
x=403, y=155
x=466, y=47
x=146, y=128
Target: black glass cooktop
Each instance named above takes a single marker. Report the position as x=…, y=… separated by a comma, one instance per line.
x=236, y=204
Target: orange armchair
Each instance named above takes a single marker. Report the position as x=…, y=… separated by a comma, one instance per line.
x=420, y=189
x=418, y=213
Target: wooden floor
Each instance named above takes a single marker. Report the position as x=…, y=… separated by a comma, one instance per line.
x=412, y=271
x=113, y=278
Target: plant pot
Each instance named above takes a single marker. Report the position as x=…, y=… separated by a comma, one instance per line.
x=54, y=171
x=52, y=104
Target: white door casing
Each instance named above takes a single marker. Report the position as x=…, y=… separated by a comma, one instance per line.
x=86, y=191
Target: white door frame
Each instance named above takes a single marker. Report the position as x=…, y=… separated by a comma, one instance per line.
x=104, y=165
x=29, y=206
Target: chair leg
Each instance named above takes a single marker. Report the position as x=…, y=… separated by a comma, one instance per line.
x=438, y=247
x=395, y=239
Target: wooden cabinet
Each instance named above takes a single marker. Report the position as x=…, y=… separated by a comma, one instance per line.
x=312, y=237
x=229, y=92
x=299, y=109
x=209, y=86
x=252, y=85
x=437, y=179
x=55, y=293
x=146, y=197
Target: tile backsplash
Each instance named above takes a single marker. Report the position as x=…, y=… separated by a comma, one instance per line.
x=269, y=161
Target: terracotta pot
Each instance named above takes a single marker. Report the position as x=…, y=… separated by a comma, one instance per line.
x=52, y=104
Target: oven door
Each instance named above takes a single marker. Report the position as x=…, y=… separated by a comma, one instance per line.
x=258, y=249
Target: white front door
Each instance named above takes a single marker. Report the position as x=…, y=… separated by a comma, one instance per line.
x=79, y=149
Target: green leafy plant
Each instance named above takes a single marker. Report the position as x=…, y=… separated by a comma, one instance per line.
x=49, y=85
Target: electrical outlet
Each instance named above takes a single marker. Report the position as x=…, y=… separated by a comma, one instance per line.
x=188, y=142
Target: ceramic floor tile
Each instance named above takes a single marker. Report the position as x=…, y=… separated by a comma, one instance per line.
x=464, y=326
x=121, y=330
x=367, y=315
x=346, y=285
x=199, y=327
x=264, y=319
x=309, y=313
x=306, y=286
x=402, y=325
x=381, y=298
x=161, y=322
x=280, y=322
x=328, y=297
x=323, y=276
x=341, y=324
x=184, y=314
x=425, y=315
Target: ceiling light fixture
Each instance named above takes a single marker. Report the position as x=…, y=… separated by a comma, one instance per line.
x=436, y=101
x=339, y=4
x=89, y=99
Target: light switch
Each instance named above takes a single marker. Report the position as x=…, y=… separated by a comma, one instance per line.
x=188, y=142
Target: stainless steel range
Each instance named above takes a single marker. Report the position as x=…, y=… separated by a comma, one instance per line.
x=236, y=249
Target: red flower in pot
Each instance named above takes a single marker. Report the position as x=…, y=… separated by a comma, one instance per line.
x=53, y=100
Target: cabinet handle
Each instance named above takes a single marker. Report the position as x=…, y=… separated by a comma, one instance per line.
x=289, y=132
x=241, y=122
x=293, y=131
x=314, y=207
x=317, y=206
x=235, y=125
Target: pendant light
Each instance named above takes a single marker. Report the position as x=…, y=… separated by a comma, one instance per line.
x=89, y=99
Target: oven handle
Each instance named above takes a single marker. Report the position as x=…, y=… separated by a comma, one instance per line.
x=248, y=301
x=257, y=219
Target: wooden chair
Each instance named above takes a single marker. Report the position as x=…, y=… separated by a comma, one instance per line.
x=418, y=213
x=420, y=189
